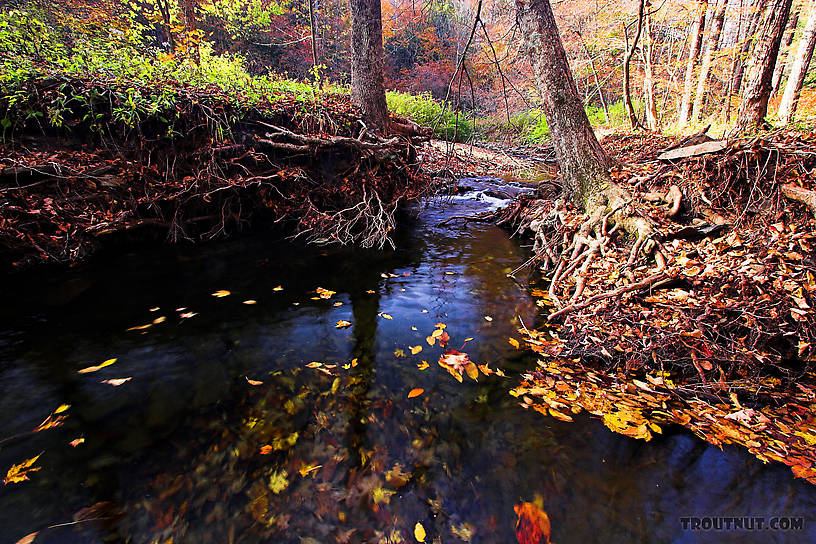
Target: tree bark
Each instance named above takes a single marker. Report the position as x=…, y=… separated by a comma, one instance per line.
x=584, y=164
x=754, y=104
x=708, y=59
x=782, y=57
x=799, y=69
x=694, y=51
x=648, y=77
x=367, y=81
x=755, y=15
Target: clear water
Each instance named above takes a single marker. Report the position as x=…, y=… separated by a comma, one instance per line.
x=176, y=452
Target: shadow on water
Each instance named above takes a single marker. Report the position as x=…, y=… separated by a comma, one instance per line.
x=189, y=449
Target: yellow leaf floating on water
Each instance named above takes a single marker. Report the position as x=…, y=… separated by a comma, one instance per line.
x=324, y=293
x=488, y=318
x=342, y=324
x=19, y=472
x=62, y=408
x=141, y=327
x=419, y=532
x=76, y=442
x=221, y=293
x=399, y=353
x=116, y=382
x=278, y=288
x=386, y=316
x=514, y=342
x=423, y=365
x=437, y=333
x=431, y=340
x=253, y=382
x=97, y=367
x=417, y=391
x=415, y=349
x=250, y=302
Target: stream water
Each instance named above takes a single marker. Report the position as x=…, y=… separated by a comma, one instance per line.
x=224, y=434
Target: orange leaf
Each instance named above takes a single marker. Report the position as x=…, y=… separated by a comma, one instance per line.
x=415, y=392
x=533, y=525
x=253, y=382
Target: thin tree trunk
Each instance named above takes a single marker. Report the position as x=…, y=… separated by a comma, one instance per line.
x=799, y=69
x=708, y=59
x=781, y=59
x=754, y=104
x=367, y=81
x=648, y=77
x=597, y=81
x=694, y=51
x=312, y=32
x=627, y=60
x=584, y=164
x=755, y=16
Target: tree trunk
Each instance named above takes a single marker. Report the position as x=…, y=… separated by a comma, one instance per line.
x=790, y=99
x=584, y=164
x=648, y=77
x=367, y=82
x=188, y=19
x=708, y=59
x=694, y=51
x=754, y=104
x=627, y=60
x=781, y=59
x=757, y=9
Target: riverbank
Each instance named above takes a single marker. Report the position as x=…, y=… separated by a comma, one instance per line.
x=715, y=329
x=189, y=164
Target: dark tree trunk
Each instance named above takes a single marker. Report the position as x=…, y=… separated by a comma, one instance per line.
x=367, y=83
x=694, y=52
x=584, y=164
x=754, y=18
x=799, y=69
x=754, y=104
x=708, y=59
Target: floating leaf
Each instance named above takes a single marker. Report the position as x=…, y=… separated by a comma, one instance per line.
x=154, y=309
x=76, y=442
x=415, y=349
x=514, y=343
x=443, y=339
x=97, y=367
x=437, y=333
x=417, y=391
x=386, y=316
x=116, y=382
x=221, y=294
x=431, y=340
x=62, y=408
x=343, y=324
x=188, y=315
x=533, y=525
x=440, y=326
x=253, y=382
x=19, y=473
x=472, y=371
x=399, y=353
x=250, y=302
x=488, y=318
x=28, y=539
x=423, y=365
x=338, y=303
x=141, y=327
x=324, y=293
x=419, y=532
x=278, y=288
x=158, y=320
x=315, y=364
x=266, y=449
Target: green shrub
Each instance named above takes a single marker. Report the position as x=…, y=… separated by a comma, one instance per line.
x=426, y=111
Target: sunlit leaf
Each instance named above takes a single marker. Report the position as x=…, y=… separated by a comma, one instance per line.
x=431, y=340
x=76, y=442
x=188, y=315
x=28, y=539
x=514, y=343
x=338, y=303
x=62, y=408
x=343, y=324
x=354, y=362
x=116, y=382
x=440, y=326
x=158, y=320
x=97, y=367
x=399, y=353
x=472, y=371
x=253, y=382
x=221, y=294
x=419, y=532
x=415, y=349
x=533, y=525
x=250, y=302
x=488, y=318
x=437, y=333
x=141, y=327
x=266, y=449
x=423, y=365
x=417, y=391
x=386, y=316
x=19, y=473
x=278, y=288
x=324, y=293
x=315, y=364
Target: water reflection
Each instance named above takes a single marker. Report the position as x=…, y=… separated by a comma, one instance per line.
x=178, y=449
